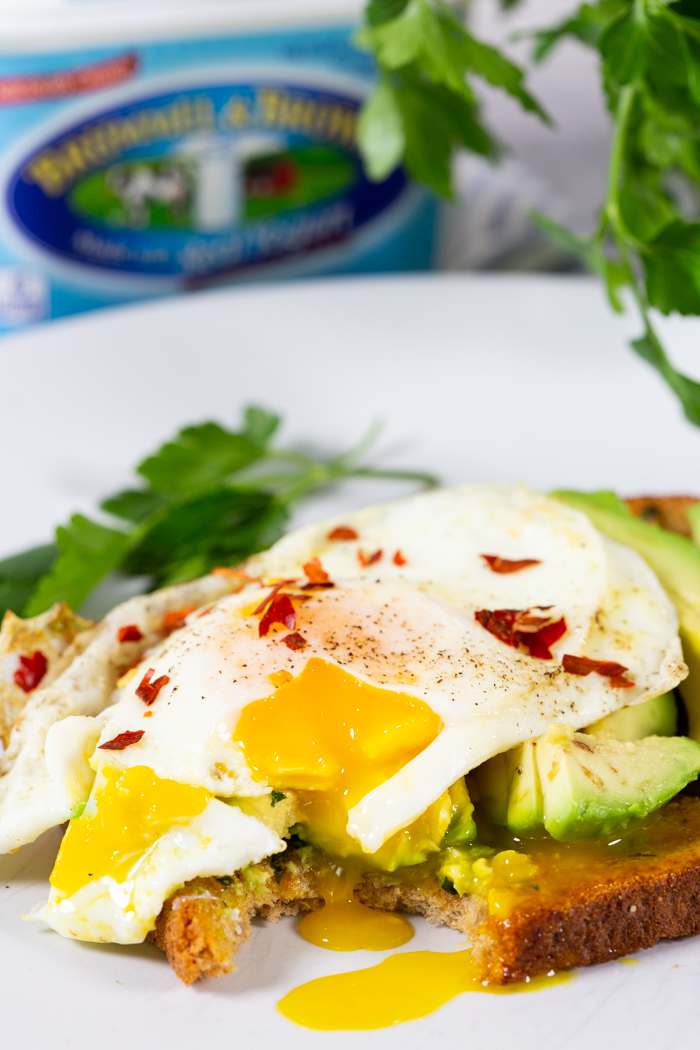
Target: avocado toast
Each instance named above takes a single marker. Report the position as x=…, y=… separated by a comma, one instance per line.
x=569, y=842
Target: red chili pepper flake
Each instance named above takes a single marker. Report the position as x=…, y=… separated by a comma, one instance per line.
x=148, y=690
x=399, y=559
x=295, y=641
x=30, y=671
x=280, y=610
x=369, y=559
x=314, y=571
x=129, y=633
x=316, y=575
x=118, y=743
x=266, y=601
x=531, y=630
x=176, y=618
x=342, y=532
x=583, y=665
x=503, y=566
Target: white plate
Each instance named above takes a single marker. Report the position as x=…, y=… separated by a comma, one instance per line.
x=478, y=377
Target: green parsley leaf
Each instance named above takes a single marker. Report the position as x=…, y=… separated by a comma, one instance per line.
x=624, y=46
x=20, y=574
x=135, y=505
x=191, y=537
x=198, y=457
x=672, y=265
x=424, y=106
x=380, y=131
x=275, y=797
x=587, y=25
x=260, y=425
x=88, y=551
x=686, y=389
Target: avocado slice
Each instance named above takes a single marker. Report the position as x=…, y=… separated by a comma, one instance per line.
x=508, y=788
x=594, y=787
x=655, y=717
x=525, y=803
x=674, y=559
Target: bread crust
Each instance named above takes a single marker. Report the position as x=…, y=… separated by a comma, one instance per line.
x=670, y=512
x=594, y=925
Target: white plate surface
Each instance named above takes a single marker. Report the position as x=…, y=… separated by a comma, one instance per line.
x=478, y=378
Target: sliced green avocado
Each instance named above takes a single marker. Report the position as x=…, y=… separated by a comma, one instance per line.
x=525, y=803
x=508, y=788
x=594, y=787
x=674, y=559
x=656, y=717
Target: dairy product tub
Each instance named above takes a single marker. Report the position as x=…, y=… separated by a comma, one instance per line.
x=155, y=147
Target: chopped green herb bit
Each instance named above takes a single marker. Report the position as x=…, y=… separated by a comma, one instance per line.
x=448, y=886
x=276, y=797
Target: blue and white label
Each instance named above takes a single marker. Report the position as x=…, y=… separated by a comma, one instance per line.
x=174, y=174
x=200, y=182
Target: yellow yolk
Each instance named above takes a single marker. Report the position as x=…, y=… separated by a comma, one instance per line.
x=402, y=988
x=133, y=808
x=343, y=924
x=332, y=738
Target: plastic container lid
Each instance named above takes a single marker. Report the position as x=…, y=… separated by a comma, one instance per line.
x=39, y=25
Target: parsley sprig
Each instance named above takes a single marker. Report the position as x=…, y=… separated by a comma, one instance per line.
x=424, y=106
x=648, y=237
x=209, y=497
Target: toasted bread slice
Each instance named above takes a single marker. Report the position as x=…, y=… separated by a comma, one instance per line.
x=670, y=512
x=588, y=907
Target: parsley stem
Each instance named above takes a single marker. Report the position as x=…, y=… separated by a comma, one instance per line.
x=611, y=209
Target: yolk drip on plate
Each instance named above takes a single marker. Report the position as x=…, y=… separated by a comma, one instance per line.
x=133, y=808
x=401, y=988
x=332, y=738
x=343, y=924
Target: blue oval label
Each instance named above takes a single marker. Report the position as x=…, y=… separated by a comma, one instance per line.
x=201, y=183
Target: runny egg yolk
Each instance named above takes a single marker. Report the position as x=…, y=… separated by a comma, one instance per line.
x=401, y=988
x=129, y=812
x=332, y=738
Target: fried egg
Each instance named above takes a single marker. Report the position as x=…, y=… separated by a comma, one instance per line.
x=369, y=697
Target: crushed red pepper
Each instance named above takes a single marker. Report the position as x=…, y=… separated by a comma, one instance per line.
x=503, y=566
x=295, y=641
x=583, y=665
x=399, y=559
x=176, y=618
x=280, y=610
x=316, y=575
x=129, y=633
x=531, y=630
x=369, y=559
x=269, y=597
x=342, y=532
x=118, y=743
x=30, y=671
x=148, y=690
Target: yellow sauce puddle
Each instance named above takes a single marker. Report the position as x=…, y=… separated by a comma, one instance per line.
x=402, y=988
x=343, y=924
x=629, y=962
